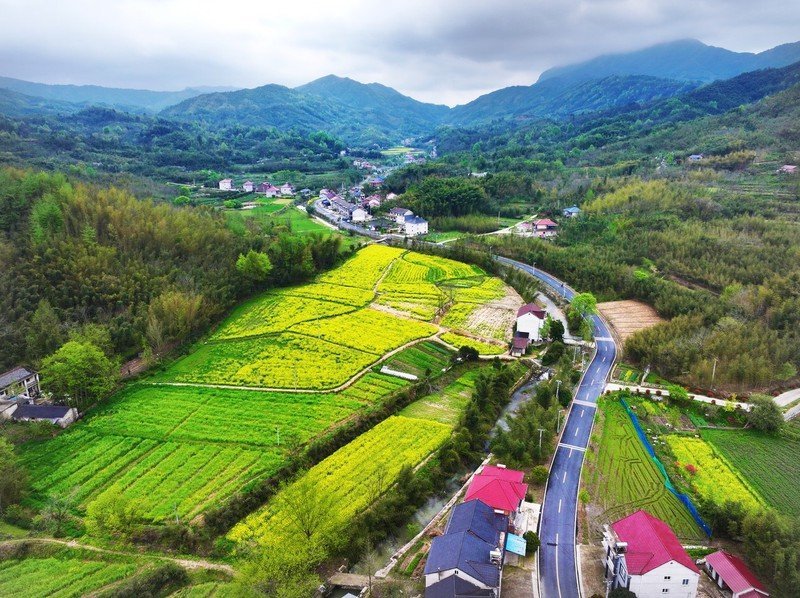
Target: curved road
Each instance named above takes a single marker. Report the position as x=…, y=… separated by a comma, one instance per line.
x=558, y=576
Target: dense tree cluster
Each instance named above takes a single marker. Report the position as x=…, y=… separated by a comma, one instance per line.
x=98, y=266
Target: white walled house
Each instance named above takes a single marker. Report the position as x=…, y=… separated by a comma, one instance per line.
x=287, y=189
x=226, y=185
x=400, y=214
x=414, y=226
x=58, y=415
x=248, y=186
x=359, y=215
x=19, y=382
x=645, y=556
x=530, y=320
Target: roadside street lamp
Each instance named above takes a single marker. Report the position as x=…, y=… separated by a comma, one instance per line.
x=541, y=431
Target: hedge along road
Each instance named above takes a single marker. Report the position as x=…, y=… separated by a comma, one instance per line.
x=558, y=574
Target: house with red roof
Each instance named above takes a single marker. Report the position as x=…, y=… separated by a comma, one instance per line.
x=530, y=319
x=644, y=555
x=730, y=573
x=545, y=228
x=500, y=488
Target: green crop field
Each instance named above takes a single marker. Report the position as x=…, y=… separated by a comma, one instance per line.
x=182, y=449
x=357, y=474
x=713, y=478
x=447, y=405
x=625, y=478
x=771, y=465
x=458, y=340
x=194, y=433
x=59, y=577
x=419, y=358
x=349, y=479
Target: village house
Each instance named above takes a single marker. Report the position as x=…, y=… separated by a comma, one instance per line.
x=287, y=189
x=571, y=212
x=327, y=195
x=730, y=573
x=226, y=185
x=645, y=556
x=467, y=559
x=268, y=189
x=19, y=383
x=391, y=197
x=544, y=228
x=248, y=186
x=376, y=181
x=695, y=157
x=359, y=215
x=305, y=193
x=59, y=415
x=787, y=169
x=414, y=226
x=500, y=488
x=530, y=320
x=400, y=214
x=372, y=201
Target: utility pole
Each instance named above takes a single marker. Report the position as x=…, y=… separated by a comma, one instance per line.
x=713, y=372
x=558, y=422
x=558, y=389
x=541, y=431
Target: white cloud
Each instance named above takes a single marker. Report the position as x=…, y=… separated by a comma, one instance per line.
x=445, y=50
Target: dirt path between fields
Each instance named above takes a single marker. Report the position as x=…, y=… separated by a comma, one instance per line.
x=186, y=563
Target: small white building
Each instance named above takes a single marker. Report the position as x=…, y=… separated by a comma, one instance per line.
x=359, y=215
x=19, y=383
x=400, y=214
x=645, y=556
x=391, y=197
x=415, y=226
x=287, y=189
x=226, y=185
x=571, y=212
x=248, y=186
x=545, y=228
x=530, y=320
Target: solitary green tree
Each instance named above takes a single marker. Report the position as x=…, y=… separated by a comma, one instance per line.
x=254, y=267
x=765, y=415
x=585, y=304
x=80, y=373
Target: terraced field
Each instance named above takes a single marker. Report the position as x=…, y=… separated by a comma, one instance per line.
x=182, y=449
x=625, y=478
x=770, y=464
x=348, y=480
x=357, y=474
x=211, y=422
x=417, y=359
x=59, y=577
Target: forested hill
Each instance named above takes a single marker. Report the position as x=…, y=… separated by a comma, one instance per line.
x=378, y=102
x=358, y=113
x=85, y=260
x=683, y=60
x=558, y=99
x=130, y=99
x=620, y=128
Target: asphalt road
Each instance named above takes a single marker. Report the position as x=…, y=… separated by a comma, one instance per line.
x=558, y=576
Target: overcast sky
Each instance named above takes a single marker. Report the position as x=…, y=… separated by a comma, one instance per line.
x=444, y=51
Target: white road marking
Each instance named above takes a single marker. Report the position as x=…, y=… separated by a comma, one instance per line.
x=559, y=505
x=564, y=478
x=585, y=403
x=558, y=581
x=571, y=447
x=581, y=412
x=577, y=430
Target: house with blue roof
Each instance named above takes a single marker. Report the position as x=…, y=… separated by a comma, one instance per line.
x=571, y=212
x=467, y=559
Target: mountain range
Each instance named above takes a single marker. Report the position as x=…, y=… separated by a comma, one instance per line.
x=363, y=114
